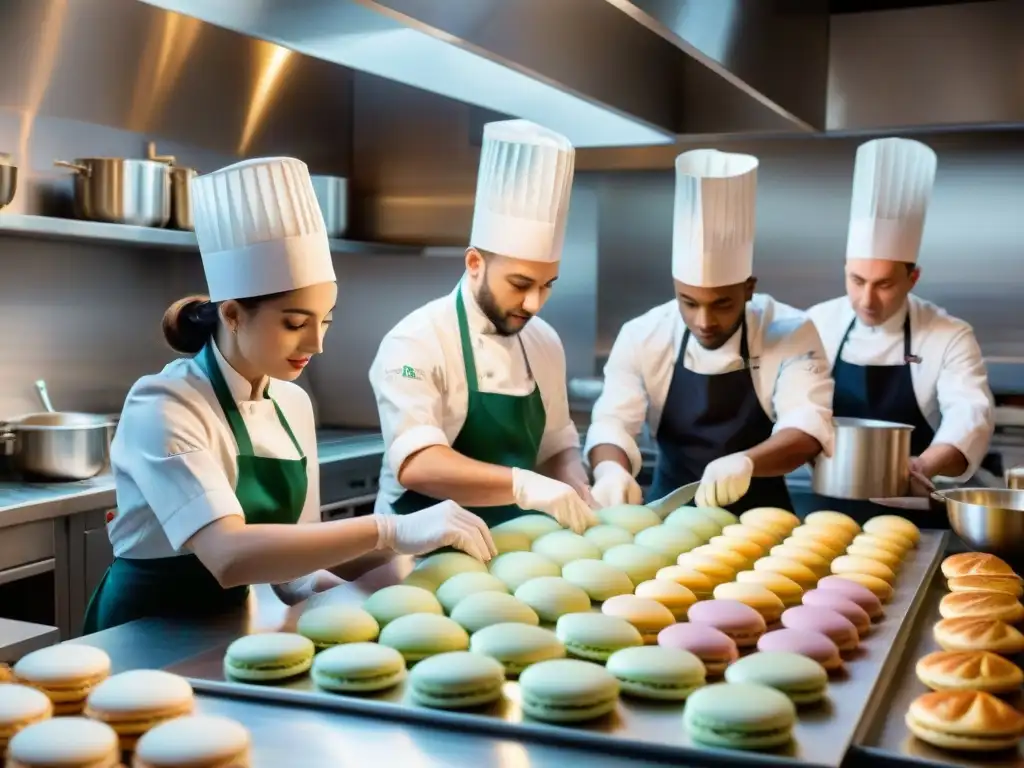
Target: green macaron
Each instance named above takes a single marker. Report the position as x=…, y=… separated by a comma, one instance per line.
x=420, y=635
x=462, y=585
x=739, y=716
x=596, y=636
x=510, y=541
x=485, y=608
x=517, y=646
x=567, y=691
x=390, y=603
x=515, y=568
x=552, y=597
x=721, y=516
x=433, y=571
x=532, y=526
x=457, y=680
x=802, y=679
x=607, y=536
x=600, y=580
x=668, y=540
x=633, y=517
x=565, y=546
x=654, y=672
x=695, y=520
x=637, y=562
x=331, y=625
x=358, y=668
x=268, y=657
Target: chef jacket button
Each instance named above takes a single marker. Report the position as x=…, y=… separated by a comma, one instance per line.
x=488, y=375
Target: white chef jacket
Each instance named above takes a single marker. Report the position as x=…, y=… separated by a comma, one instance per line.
x=174, y=458
x=419, y=380
x=950, y=382
x=792, y=380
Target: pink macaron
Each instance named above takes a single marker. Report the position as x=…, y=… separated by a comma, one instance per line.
x=836, y=627
x=835, y=601
x=858, y=593
x=813, y=645
x=739, y=621
x=715, y=649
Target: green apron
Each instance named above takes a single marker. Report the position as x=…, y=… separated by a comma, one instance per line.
x=499, y=429
x=268, y=490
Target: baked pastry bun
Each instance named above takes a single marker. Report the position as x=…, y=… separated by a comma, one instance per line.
x=978, y=634
x=984, y=605
x=1011, y=585
x=969, y=671
x=975, y=564
x=973, y=721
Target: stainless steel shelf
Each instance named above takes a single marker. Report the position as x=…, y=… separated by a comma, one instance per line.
x=74, y=230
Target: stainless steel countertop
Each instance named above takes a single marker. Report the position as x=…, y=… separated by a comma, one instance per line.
x=22, y=502
x=286, y=735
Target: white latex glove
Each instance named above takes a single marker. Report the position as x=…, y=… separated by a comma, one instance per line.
x=552, y=497
x=614, y=485
x=725, y=481
x=445, y=524
x=296, y=591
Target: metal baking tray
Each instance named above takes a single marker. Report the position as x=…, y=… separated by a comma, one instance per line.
x=821, y=738
x=884, y=735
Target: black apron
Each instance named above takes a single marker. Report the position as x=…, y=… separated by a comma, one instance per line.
x=885, y=393
x=707, y=417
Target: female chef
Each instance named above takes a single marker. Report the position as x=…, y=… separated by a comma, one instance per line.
x=215, y=459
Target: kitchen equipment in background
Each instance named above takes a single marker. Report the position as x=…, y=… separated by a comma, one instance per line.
x=988, y=519
x=1015, y=478
x=332, y=194
x=871, y=459
x=58, y=446
x=8, y=180
x=181, y=189
x=121, y=191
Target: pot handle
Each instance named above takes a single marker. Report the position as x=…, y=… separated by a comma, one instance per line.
x=152, y=155
x=82, y=169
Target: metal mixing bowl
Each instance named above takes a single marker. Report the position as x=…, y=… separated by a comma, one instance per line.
x=988, y=519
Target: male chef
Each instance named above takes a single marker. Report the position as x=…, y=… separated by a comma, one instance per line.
x=733, y=384
x=471, y=388
x=895, y=357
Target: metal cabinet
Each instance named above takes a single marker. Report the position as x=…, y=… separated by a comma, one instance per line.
x=89, y=554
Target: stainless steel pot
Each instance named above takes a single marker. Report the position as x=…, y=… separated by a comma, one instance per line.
x=181, y=189
x=121, y=191
x=871, y=459
x=1014, y=478
x=8, y=180
x=987, y=519
x=332, y=195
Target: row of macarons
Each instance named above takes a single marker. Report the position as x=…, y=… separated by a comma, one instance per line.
x=963, y=711
x=62, y=706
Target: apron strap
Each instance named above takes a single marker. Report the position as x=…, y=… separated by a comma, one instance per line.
x=468, y=360
x=842, y=343
x=908, y=356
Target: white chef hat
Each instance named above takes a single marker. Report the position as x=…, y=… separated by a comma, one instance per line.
x=522, y=191
x=713, y=221
x=892, y=186
x=259, y=228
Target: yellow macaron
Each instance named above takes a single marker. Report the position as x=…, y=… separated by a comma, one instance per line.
x=749, y=549
x=762, y=538
x=671, y=594
x=884, y=525
x=730, y=557
x=699, y=583
x=714, y=568
x=878, y=554
x=802, y=555
x=758, y=597
x=880, y=587
x=854, y=564
x=772, y=519
x=791, y=569
x=834, y=538
x=834, y=519
x=787, y=590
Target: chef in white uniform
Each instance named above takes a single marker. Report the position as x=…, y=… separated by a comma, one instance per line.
x=215, y=457
x=471, y=388
x=896, y=357
x=732, y=383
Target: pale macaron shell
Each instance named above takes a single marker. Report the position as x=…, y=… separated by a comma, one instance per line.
x=696, y=521
x=434, y=570
x=815, y=545
x=773, y=519
x=261, y=656
x=194, y=740
x=735, y=560
x=633, y=517
x=787, y=590
x=328, y=625
x=595, y=636
x=721, y=516
x=457, y=680
x=390, y=603
x=517, y=646
x=712, y=646
x=879, y=555
x=737, y=620
x=637, y=562
x=65, y=741
x=668, y=540
x=516, y=568
x=531, y=526
x=836, y=627
x=420, y=635
x=657, y=672
x=896, y=546
x=791, y=569
x=818, y=564
x=607, y=536
x=856, y=592
x=836, y=601
x=485, y=608
x=749, y=549
x=552, y=597
x=510, y=541
x=462, y=585
x=834, y=538
x=673, y=596
x=358, y=667
x=714, y=568
x=66, y=672
x=801, y=678
x=835, y=520
x=568, y=690
x=648, y=616
x=563, y=547
x=884, y=524
x=598, y=579
x=757, y=596
x=851, y=564
x=699, y=583
x=762, y=538
x=21, y=706
x=133, y=702
x=813, y=645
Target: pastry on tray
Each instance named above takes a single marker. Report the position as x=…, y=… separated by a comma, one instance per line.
x=969, y=671
x=971, y=721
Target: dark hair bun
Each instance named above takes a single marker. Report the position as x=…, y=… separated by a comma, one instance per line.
x=190, y=323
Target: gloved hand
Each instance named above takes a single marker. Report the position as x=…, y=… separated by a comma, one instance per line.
x=725, y=480
x=445, y=524
x=614, y=485
x=552, y=497
x=293, y=592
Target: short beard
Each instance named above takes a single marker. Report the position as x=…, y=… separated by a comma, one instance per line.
x=722, y=340
x=489, y=306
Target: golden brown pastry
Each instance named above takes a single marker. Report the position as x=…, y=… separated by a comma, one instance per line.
x=983, y=605
x=969, y=671
x=6, y=675
x=1011, y=585
x=974, y=634
x=975, y=564
x=965, y=720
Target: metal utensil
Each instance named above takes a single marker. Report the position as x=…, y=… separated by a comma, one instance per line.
x=988, y=519
x=181, y=189
x=681, y=496
x=44, y=396
x=332, y=195
x=121, y=191
x=871, y=460
x=8, y=180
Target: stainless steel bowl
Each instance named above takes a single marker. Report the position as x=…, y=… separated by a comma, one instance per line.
x=871, y=460
x=121, y=191
x=8, y=181
x=988, y=519
x=61, y=446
